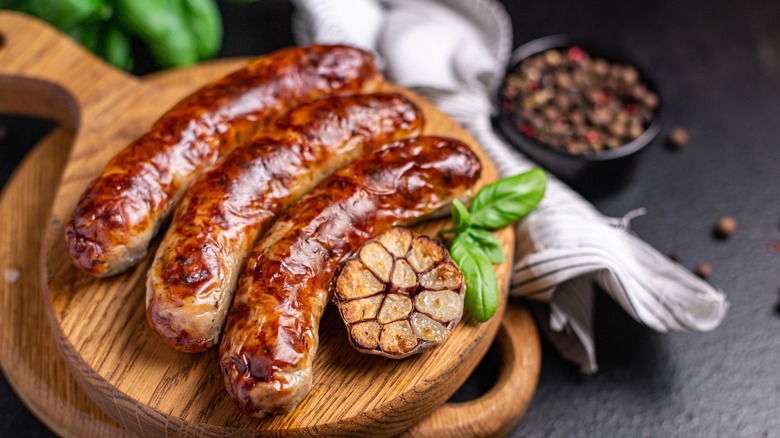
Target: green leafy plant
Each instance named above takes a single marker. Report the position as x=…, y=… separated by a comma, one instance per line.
x=475, y=249
x=176, y=32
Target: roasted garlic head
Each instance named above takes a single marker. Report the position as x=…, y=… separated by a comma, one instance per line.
x=401, y=294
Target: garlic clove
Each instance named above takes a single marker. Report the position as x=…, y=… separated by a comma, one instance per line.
x=397, y=338
x=378, y=260
x=404, y=278
x=396, y=241
x=361, y=309
x=395, y=307
x=366, y=334
x=442, y=306
x=425, y=252
x=443, y=276
x=428, y=329
x=356, y=281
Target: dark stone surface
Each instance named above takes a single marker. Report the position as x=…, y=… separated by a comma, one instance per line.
x=718, y=67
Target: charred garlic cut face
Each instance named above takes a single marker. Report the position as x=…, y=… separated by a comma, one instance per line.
x=401, y=294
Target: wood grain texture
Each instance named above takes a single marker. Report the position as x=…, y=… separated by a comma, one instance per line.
x=34, y=368
x=32, y=365
x=499, y=410
x=99, y=325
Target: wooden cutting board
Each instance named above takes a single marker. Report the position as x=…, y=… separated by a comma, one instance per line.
x=99, y=325
x=34, y=368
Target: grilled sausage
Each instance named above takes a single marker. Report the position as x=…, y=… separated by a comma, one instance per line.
x=121, y=210
x=271, y=334
x=191, y=283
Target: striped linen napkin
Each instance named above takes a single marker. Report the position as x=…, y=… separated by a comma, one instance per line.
x=453, y=52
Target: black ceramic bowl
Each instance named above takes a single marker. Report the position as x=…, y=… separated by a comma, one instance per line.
x=580, y=170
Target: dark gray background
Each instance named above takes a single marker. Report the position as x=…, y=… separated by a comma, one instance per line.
x=718, y=68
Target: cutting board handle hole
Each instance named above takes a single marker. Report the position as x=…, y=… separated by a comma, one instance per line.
x=482, y=379
x=2, y=40
x=38, y=98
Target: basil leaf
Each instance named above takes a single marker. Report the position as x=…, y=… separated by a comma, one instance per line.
x=204, y=21
x=460, y=215
x=481, y=284
x=507, y=200
x=117, y=47
x=487, y=242
x=65, y=14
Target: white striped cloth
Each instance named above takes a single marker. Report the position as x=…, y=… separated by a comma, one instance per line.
x=453, y=52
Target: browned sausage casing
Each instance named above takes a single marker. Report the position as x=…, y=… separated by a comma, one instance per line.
x=271, y=335
x=120, y=211
x=191, y=283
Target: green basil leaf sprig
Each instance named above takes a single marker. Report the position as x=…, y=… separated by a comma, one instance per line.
x=479, y=276
x=176, y=32
x=460, y=215
x=507, y=200
x=487, y=241
x=475, y=249
x=64, y=14
x=204, y=22
x=116, y=47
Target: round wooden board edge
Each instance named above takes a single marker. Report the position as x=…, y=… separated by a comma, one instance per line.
x=55, y=398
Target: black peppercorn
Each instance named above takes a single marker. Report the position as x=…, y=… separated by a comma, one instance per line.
x=725, y=226
x=704, y=270
x=678, y=137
